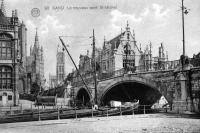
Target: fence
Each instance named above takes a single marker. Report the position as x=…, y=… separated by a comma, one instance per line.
x=62, y=112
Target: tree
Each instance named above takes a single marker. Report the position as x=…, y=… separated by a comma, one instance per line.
x=69, y=77
x=35, y=89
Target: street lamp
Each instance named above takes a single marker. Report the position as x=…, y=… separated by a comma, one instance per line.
x=184, y=10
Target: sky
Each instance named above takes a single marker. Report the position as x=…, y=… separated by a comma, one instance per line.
x=155, y=21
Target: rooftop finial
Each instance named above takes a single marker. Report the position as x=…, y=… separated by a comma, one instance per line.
x=3, y=7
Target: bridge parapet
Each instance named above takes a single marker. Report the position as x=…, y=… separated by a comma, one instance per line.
x=139, y=70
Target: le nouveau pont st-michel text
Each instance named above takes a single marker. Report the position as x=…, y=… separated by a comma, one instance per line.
x=71, y=7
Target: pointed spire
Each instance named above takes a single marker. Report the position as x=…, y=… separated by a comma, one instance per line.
x=167, y=55
x=36, y=39
x=162, y=50
x=150, y=45
x=127, y=27
x=16, y=15
x=159, y=52
x=161, y=45
x=3, y=7
x=133, y=34
x=104, y=42
x=36, y=35
x=41, y=48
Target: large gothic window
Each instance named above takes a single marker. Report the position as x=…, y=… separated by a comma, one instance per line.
x=128, y=57
x=5, y=50
x=5, y=77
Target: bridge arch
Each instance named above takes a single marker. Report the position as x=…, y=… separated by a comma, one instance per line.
x=128, y=89
x=83, y=96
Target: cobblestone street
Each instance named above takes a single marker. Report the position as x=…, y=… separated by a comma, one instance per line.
x=154, y=123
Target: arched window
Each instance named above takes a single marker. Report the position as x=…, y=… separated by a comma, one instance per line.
x=5, y=77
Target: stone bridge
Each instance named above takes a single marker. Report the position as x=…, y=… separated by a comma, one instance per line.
x=180, y=88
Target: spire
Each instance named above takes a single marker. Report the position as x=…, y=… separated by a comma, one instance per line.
x=42, y=48
x=150, y=46
x=104, y=43
x=36, y=39
x=134, y=34
x=3, y=7
x=167, y=55
x=127, y=24
x=36, y=36
x=127, y=27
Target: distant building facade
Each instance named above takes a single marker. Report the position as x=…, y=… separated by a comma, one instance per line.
x=58, y=79
x=13, y=45
x=52, y=81
x=120, y=52
x=121, y=55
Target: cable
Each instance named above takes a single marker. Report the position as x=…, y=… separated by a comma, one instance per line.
x=79, y=45
x=77, y=36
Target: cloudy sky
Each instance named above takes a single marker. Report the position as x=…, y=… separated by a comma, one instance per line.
x=156, y=21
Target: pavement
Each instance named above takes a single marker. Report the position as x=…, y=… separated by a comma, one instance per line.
x=145, y=123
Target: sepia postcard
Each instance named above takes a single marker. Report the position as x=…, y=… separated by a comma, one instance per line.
x=99, y=66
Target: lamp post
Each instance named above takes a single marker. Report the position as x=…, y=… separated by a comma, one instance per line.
x=94, y=65
x=184, y=11
x=183, y=23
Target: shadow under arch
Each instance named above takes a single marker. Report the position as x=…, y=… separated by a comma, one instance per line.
x=83, y=97
x=128, y=91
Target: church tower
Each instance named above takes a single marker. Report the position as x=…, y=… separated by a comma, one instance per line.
x=37, y=61
x=60, y=66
